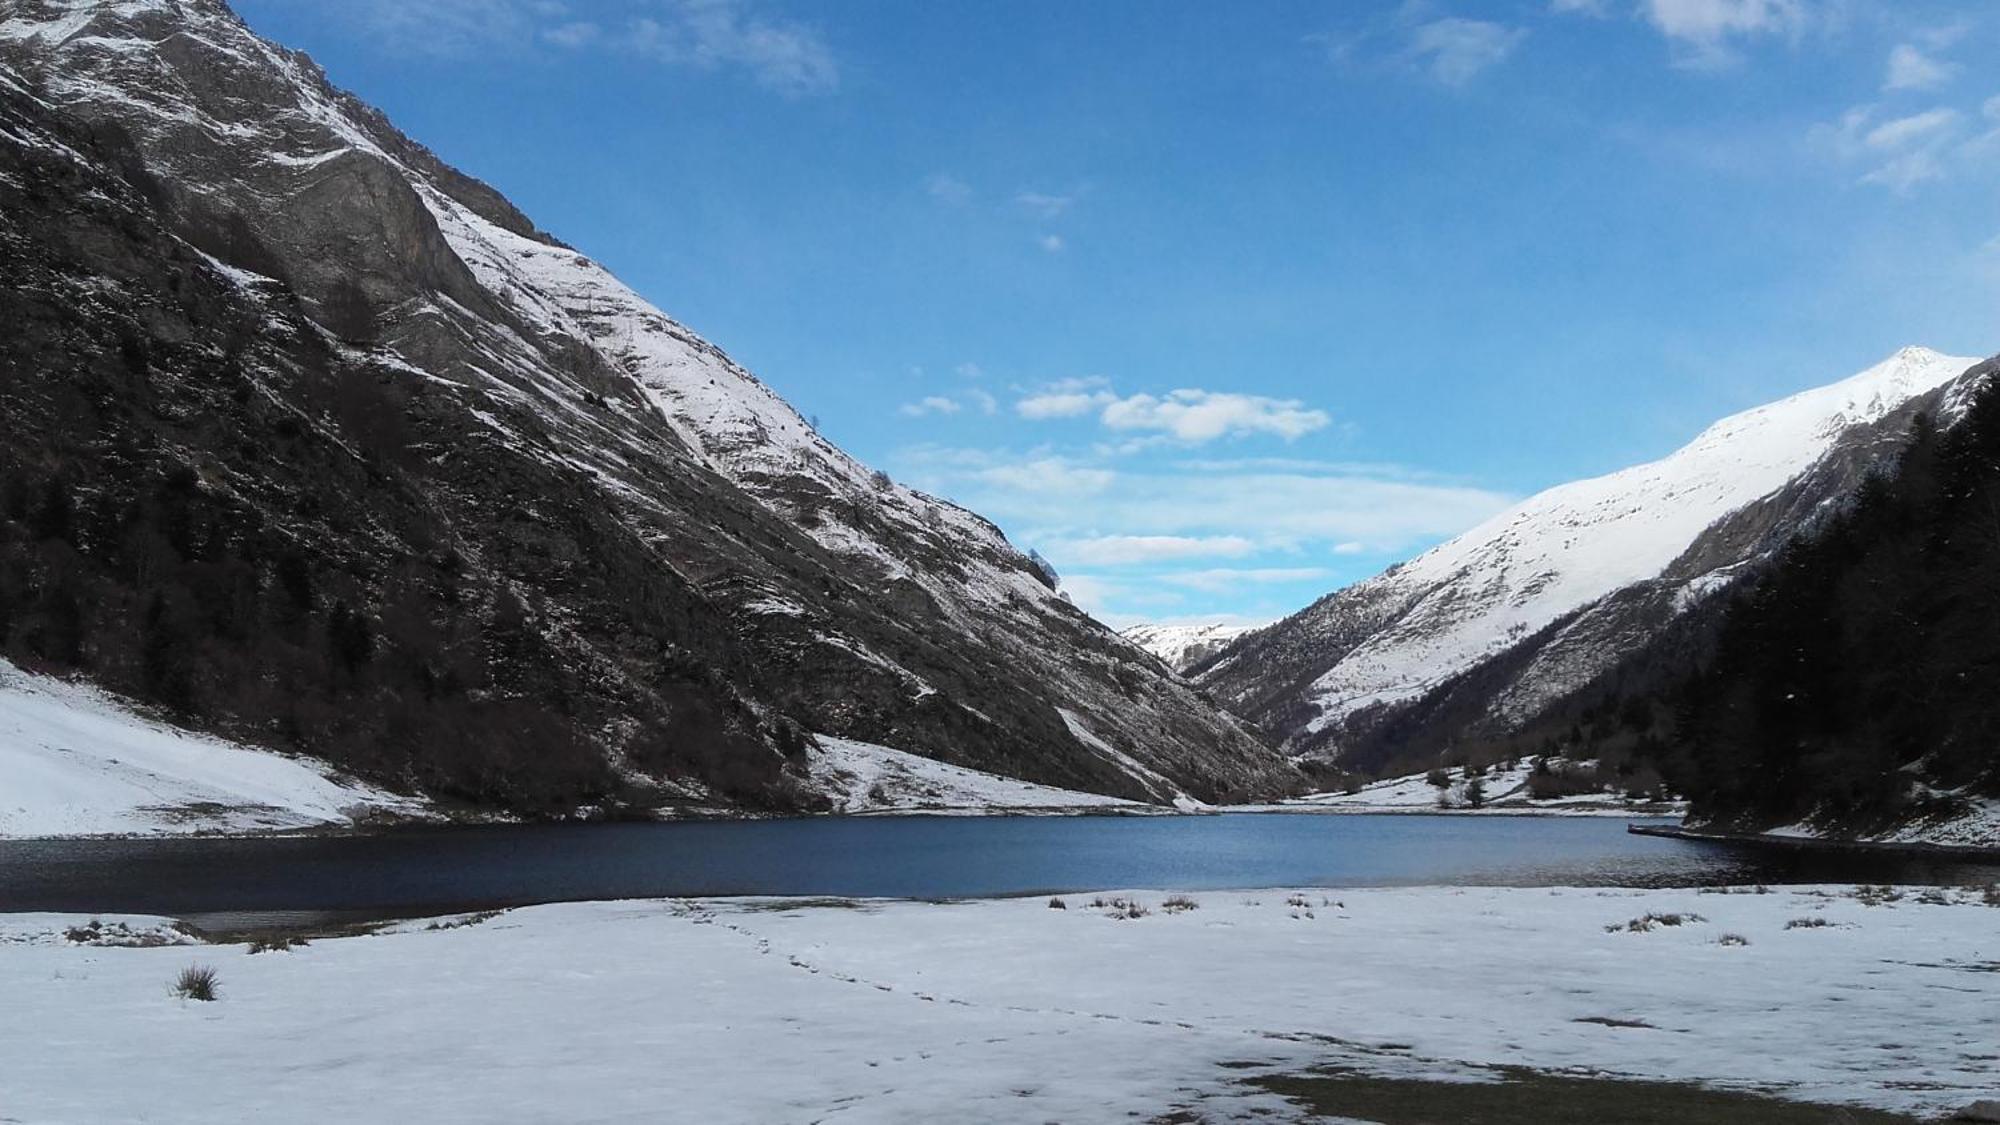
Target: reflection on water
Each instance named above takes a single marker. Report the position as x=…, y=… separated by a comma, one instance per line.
x=418, y=871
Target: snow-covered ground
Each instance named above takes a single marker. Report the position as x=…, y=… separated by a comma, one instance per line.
x=1976, y=825
x=1506, y=792
x=1180, y=646
x=76, y=761
x=780, y=1011
x=862, y=777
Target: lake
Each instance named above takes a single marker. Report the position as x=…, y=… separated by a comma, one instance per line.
x=415, y=871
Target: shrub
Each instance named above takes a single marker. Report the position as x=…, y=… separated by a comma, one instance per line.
x=1175, y=904
x=1732, y=939
x=1058, y=904
x=275, y=945
x=196, y=982
x=1645, y=923
x=1807, y=924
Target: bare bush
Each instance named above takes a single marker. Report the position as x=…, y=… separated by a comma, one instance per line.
x=196, y=982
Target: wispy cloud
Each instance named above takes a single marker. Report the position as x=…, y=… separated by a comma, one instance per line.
x=1451, y=50
x=780, y=54
x=1189, y=416
x=1899, y=153
x=1457, y=50
x=1703, y=33
x=1596, y=8
x=1044, y=204
x=1911, y=69
x=1051, y=243
x=1197, y=416
x=1115, y=550
x=947, y=188
x=929, y=404
x=1066, y=398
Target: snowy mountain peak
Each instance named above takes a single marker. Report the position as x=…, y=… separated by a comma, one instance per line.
x=1184, y=646
x=1385, y=642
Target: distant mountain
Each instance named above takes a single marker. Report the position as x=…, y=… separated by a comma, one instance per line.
x=1482, y=633
x=318, y=443
x=1848, y=686
x=1184, y=646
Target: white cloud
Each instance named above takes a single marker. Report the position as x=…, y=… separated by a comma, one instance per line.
x=1043, y=204
x=1457, y=50
x=1049, y=477
x=1118, y=550
x=580, y=33
x=987, y=404
x=968, y=371
x=1701, y=30
x=782, y=55
x=947, y=188
x=1594, y=8
x=1900, y=153
x=1053, y=243
x=929, y=404
x=1350, y=548
x=1904, y=131
x=1065, y=398
x=1911, y=69
x=1189, y=415
x=1196, y=416
x=1222, y=580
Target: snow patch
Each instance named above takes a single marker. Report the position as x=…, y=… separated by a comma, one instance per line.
x=76, y=761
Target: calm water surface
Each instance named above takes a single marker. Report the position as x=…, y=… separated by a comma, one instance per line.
x=416, y=871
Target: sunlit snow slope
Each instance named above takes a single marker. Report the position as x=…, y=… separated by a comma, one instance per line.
x=1359, y=653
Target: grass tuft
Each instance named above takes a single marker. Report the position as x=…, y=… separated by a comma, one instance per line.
x=196, y=982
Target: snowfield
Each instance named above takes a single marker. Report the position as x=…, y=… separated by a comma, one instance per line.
x=780, y=1011
x=864, y=778
x=76, y=761
x=1506, y=793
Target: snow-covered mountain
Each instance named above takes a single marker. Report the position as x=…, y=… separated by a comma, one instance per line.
x=1184, y=646
x=1488, y=628
x=499, y=474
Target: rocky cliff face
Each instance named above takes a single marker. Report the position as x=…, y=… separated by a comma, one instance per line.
x=1482, y=633
x=479, y=519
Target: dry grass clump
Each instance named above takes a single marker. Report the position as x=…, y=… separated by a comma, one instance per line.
x=1649, y=921
x=1175, y=904
x=196, y=982
x=1807, y=924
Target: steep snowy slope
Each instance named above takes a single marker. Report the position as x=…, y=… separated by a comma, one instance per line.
x=1184, y=646
x=76, y=762
x=1540, y=598
x=710, y=574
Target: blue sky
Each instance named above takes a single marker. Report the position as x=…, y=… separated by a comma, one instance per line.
x=1221, y=307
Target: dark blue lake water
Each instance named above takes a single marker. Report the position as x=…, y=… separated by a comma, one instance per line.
x=415, y=871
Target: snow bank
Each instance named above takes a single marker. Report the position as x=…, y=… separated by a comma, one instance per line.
x=1506, y=793
x=775, y=1011
x=862, y=777
x=1975, y=823
x=75, y=761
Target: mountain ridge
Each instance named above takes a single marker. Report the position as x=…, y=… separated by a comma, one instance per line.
x=1546, y=594
x=838, y=600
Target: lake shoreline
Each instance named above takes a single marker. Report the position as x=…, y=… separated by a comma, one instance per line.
x=1965, y=853
x=1210, y=1006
